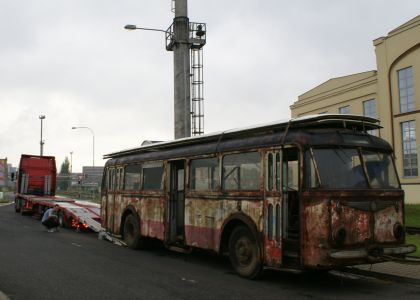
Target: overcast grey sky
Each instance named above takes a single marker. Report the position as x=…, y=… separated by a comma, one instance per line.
x=72, y=61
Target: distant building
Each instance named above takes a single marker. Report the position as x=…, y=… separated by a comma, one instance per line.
x=391, y=93
x=3, y=173
x=92, y=176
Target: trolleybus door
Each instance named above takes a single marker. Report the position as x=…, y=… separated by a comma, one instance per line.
x=272, y=206
x=291, y=211
x=115, y=181
x=110, y=194
x=176, y=201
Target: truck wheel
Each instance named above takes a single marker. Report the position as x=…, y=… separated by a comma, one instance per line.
x=17, y=205
x=245, y=253
x=131, y=232
x=61, y=220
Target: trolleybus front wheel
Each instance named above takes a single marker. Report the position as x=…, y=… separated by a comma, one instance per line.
x=132, y=232
x=245, y=253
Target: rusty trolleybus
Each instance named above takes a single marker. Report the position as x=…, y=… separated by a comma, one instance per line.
x=313, y=192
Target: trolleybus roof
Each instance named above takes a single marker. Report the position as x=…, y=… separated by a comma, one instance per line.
x=358, y=122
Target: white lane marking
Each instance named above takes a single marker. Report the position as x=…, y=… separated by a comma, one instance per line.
x=188, y=280
x=77, y=245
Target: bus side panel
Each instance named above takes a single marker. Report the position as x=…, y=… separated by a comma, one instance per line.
x=315, y=232
x=152, y=217
x=150, y=211
x=273, y=233
x=204, y=219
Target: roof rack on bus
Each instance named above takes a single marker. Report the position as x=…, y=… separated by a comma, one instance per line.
x=348, y=121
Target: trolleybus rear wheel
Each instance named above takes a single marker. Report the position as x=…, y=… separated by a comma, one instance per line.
x=245, y=253
x=132, y=232
x=17, y=205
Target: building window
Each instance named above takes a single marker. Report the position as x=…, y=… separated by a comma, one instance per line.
x=406, y=90
x=410, y=163
x=369, y=110
x=344, y=110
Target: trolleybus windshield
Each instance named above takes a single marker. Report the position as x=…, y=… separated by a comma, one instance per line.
x=349, y=168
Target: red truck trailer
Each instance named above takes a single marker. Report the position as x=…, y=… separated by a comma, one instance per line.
x=36, y=185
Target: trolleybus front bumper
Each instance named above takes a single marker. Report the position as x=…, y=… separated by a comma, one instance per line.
x=373, y=253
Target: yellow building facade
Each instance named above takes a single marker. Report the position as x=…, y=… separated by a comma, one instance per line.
x=391, y=93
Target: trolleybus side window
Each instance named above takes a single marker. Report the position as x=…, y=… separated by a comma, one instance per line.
x=111, y=179
x=290, y=170
x=120, y=179
x=132, y=178
x=204, y=174
x=152, y=176
x=311, y=178
x=241, y=171
x=273, y=172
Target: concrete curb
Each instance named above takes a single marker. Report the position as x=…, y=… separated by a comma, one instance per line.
x=383, y=276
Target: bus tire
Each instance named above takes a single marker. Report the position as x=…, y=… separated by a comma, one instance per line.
x=131, y=232
x=245, y=253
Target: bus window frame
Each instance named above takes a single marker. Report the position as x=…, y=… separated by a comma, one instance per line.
x=188, y=180
x=260, y=171
x=136, y=164
x=162, y=176
x=276, y=177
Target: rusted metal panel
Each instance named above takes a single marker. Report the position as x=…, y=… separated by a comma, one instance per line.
x=273, y=232
x=152, y=217
x=315, y=232
x=150, y=210
x=355, y=222
x=341, y=223
x=385, y=220
x=204, y=219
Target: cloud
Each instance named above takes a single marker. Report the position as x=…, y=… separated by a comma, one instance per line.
x=74, y=62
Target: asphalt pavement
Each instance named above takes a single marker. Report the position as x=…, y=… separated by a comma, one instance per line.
x=35, y=264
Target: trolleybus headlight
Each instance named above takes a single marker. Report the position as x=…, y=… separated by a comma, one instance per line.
x=398, y=231
x=340, y=235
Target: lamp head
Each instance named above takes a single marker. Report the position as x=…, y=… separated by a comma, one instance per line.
x=130, y=27
x=200, y=32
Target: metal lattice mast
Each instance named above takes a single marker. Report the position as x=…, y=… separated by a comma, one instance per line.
x=197, y=92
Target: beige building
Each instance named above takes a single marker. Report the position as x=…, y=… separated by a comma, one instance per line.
x=391, y=94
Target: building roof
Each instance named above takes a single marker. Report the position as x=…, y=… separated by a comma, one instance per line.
x=407, y=25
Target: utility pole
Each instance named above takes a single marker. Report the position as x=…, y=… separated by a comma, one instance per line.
x=42, y=142
x=181, y=48
x=182, y=37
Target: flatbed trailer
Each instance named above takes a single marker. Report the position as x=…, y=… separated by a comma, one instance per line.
x=36, y=185
x=76, y=214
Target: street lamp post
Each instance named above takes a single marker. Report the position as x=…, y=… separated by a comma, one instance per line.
x=41, y=143
x=93, y=140
x=71, y=162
